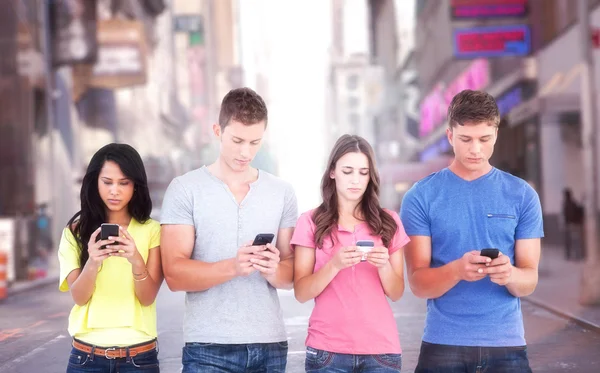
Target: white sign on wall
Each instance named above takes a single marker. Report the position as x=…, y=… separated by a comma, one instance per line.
x=7, y=245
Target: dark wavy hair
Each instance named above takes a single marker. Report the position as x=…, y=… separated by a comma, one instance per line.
x=326, y=216
x=93, y=210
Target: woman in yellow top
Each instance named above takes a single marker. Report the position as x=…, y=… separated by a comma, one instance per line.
x=113, y=322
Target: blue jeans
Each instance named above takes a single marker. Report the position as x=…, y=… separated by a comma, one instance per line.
x=325, y=362
x=435, y=358
x=80, y=362
x=242, y=358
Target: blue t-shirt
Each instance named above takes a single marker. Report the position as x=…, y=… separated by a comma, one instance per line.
x=460, y=216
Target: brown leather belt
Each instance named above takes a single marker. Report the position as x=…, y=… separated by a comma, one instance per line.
x=115, y=352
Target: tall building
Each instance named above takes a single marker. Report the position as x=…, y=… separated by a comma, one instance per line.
x=355, y=84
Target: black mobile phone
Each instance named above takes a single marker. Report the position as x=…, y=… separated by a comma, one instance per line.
x=108, y=230
x=263, y=239
x=490, y=253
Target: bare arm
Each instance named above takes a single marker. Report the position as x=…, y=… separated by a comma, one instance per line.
x=309, y=284
x=391, y=275
x=82, y=282
x=431, y=283
x=183, y=273
x=283, y=278
x=522, y=278
x=148, y=277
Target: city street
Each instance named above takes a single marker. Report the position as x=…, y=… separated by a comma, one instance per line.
x=33, y=335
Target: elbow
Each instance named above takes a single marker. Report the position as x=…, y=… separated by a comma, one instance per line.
x=301, y=299
x=80, y=302
x=419, y=293
x=78, y=299
x=395, y=297
x=397, y=294
x=147, y=302
x=300, y=296
x=417, y=290
x=172, y=282
x=287, y=286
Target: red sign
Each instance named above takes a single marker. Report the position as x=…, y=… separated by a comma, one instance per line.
x=488, y=8
x=596, y=38
x=494, y=41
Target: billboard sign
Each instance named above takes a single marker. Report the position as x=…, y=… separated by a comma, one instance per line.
x=495, y=41
x=470, y=9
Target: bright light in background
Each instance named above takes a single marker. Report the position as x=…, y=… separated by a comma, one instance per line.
x=288, y=42
x=405, y=24
x=356, y=25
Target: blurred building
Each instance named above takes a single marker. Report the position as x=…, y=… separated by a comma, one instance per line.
x=526, y=54
x=392, y=46
x=355, y=88
x=76, y=75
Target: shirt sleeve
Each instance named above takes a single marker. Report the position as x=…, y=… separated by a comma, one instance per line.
x=290, y=209
x=177, y=207
x=531, y=224
x=69, y=256
x=400, y=238
x=155, y=235
x=414, y=215
x=304, y=234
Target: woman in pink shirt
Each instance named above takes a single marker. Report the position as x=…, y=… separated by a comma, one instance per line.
x=352, y=326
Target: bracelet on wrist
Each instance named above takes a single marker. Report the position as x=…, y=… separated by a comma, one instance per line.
x=141, y=279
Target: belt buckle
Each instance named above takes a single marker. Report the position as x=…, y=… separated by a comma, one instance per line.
x=106, y=353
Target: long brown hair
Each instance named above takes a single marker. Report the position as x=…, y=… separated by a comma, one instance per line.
x=326, y=216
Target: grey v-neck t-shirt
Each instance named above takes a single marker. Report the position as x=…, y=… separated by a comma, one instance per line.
x=246, y=309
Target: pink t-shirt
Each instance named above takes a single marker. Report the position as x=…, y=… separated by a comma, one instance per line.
x=352, y=314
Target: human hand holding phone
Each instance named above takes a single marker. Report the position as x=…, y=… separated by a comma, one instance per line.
x=499, y=269
x=364, y=246
x=96, y=252
x=346, y=257
x=266, y=257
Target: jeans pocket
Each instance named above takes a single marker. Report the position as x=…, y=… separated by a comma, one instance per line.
x=78, y=359
x=317, y=359
x=146, y=360
x=283, y=344
x=389, y=360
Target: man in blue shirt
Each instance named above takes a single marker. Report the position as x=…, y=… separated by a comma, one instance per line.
x=474, y=321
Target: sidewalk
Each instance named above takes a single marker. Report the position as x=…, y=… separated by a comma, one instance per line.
x=559, y=287
x=22, y=286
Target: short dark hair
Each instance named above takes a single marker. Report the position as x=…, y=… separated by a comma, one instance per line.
x=243, y=105
x=473, y=107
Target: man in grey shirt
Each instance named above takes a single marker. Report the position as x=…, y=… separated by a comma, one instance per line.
x=210, y=216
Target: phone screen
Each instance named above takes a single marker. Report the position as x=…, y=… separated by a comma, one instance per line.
x=263, y=239
x=108, y=230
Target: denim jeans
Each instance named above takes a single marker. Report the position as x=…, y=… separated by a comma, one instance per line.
x=81, y=362
x=435, y=358
x=242, y=358
x=325, y=362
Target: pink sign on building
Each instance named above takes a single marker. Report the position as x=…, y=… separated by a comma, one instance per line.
x=435, y=105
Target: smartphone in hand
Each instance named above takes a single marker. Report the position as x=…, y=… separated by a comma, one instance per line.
x=365, y=247
x=262, y=239
x=108, y=230
x=490, y=253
